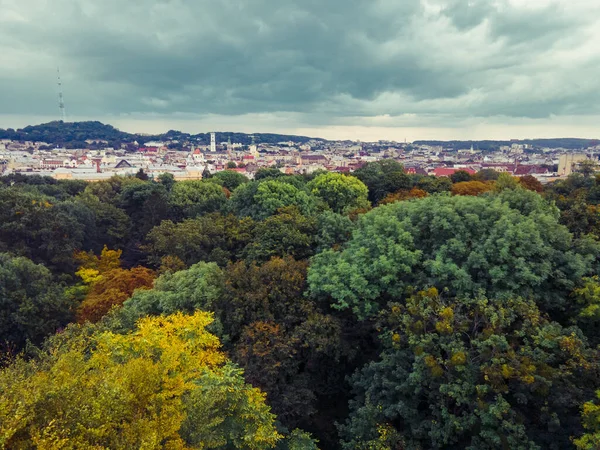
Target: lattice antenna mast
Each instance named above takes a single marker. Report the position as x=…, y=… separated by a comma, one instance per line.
x=61, y=101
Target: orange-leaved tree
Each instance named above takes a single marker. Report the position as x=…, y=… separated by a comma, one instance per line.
x=111, y=289
x=403, y=195
x=532, y=183
x=473, y=188
x=106, y=284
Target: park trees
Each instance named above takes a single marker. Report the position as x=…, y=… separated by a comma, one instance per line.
x=286, y=345
x=402, y=195
x=460, y=176
x=286, y=233
x=106, y=284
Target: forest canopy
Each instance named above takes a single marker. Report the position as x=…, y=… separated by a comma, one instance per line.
x=373, y=310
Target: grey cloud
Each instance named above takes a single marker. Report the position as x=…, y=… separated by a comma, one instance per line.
x=330, y=59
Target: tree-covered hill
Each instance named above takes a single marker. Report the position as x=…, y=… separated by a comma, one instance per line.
x=74, y=134
x=489, y=145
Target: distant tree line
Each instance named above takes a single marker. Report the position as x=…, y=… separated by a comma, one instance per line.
x=74, y=135
x=487, y=145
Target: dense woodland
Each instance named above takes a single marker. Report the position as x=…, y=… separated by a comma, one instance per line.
x=375, y=311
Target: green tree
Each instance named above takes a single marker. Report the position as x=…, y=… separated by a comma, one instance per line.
x=264, y=173
x=108, y=191
x=332, y=230
x=506, y=244
x=506, y=181
x=32, y=306
x=472, y=374
x=212, y=237
x=460, y=176
x=260, y=200
x=141, y=175
x=286, y=233
x=486, y=175
x=230, y=179
x=340, y=192
x=46, y=231
x=113, y=225
x=196, y=288
x=167, y=180
x=195, y=198
x=434, y=185
x=587, y=168
x=146, y=204
x=382, y=178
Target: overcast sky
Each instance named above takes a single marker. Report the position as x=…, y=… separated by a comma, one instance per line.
x=359, y=69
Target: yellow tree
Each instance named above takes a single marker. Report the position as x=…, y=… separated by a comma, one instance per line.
x=164, y=385
x=91, y=267
x=591, y=421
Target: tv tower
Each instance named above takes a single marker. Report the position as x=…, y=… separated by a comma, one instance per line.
x=61, y=101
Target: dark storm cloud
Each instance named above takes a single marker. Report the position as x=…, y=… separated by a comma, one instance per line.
x=332, y=59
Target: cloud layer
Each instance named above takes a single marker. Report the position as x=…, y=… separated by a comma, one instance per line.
x=335, y=63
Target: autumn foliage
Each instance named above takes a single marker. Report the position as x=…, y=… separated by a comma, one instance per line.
x=164, y=385
x=112, y=289
x=531, y=183
x=403, y=195
x=471, y=188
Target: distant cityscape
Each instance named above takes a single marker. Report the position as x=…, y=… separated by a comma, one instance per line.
x=189, y=158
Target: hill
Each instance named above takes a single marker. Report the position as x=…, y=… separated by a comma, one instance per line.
x=487, y=145
x=74, y=135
